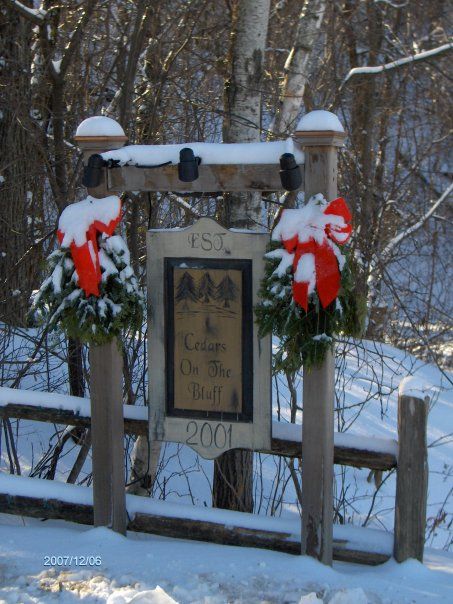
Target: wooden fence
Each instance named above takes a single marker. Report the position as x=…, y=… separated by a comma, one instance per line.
x=409, y=458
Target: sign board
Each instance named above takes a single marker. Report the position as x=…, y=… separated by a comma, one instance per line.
x=209, y=373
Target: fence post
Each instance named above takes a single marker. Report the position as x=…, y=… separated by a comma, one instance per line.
x=106, y=379
x=411, y=478
x=321, y=149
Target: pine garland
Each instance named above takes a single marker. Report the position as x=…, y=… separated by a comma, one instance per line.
x=96, y=320
x=305, y=337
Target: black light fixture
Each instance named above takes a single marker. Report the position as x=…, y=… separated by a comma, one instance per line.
x=92, y=172
x=290, y=175
x=188, y=165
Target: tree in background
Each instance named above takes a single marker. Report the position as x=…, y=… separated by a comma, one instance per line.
x=233, y=470
x=160, y=69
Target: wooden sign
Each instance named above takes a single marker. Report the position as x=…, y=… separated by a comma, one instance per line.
x=209, y=372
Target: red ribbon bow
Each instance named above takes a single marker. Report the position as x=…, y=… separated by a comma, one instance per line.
x=86, y=256
x=326, y=264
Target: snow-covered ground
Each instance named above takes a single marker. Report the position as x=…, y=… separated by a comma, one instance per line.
x=154, y=570
x=368, y=377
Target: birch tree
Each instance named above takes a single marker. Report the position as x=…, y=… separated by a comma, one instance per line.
x=242, y=121
x=297, y=65
x=233, y=471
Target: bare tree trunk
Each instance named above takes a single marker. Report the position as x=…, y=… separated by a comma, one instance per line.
x=233, y=471
x=296, y=66
x=145, y=461
x=242, y=121
x=19, y=183
x=145, y=458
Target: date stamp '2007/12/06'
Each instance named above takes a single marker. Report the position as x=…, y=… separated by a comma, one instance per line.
x=71, y=560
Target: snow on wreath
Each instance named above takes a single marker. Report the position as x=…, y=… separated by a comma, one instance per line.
x=91, y=292
x=307, y=295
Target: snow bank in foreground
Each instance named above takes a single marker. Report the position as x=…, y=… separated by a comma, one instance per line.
x=156, y=570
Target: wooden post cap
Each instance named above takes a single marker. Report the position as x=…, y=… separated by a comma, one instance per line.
x=319, y=128
x=100, y=132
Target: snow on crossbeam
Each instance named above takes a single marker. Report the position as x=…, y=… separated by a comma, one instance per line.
x=50, y=499
x=210, y=153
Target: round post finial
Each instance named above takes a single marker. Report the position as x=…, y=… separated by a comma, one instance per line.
x=320, y=128
x=100, y=132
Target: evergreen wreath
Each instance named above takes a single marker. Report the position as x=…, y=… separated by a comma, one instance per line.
x=92, y=292
x=60, y=301
x=306, y=334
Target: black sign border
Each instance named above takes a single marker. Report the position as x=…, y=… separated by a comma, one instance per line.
x=245, y=266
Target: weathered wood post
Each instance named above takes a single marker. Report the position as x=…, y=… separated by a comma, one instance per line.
x=412, y=475
x=97, y=135
x=321, y=148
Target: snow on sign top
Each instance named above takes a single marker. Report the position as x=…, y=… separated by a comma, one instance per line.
x=77, y=218
x=99, y=125
x=319, y=120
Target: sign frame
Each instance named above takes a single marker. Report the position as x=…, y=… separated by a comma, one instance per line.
x=203, y=244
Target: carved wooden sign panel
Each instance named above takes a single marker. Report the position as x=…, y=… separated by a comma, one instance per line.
x=209, y=372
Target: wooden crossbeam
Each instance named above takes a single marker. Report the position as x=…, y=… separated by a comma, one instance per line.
x=343, y=455
x=212, y=179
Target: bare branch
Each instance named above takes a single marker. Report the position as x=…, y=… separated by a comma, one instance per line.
x=184, y=205
x=36, y=15
x=416, y=226
x=375, y=69
x=296, y=66
x=76, y=37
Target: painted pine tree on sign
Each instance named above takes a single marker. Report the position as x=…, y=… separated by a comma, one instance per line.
x=206, y=288
x=186, y=290
x=226, y=291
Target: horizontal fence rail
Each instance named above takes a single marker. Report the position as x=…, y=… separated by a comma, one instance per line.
x=38, y=498
x=344, y=453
